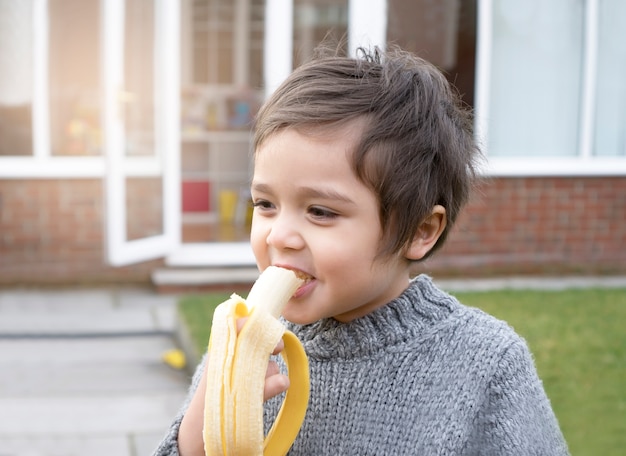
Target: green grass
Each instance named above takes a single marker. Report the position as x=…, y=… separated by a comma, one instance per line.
x=578, y=338
x=196, y=311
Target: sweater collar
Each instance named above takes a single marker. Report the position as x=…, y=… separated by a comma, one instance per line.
x=409, y=316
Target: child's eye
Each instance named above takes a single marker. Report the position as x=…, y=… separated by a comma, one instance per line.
x=262, y=204
x=322, y=213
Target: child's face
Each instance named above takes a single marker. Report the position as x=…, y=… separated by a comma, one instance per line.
x=313, y=215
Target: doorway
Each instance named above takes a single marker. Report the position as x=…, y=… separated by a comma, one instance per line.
x=221, y=78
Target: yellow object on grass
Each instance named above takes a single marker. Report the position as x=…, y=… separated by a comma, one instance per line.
x=175, y=358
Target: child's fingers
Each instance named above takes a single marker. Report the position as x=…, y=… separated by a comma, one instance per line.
x=279, y=347
x=275, y=382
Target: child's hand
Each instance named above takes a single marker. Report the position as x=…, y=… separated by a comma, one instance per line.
x=190, y=442
x=275, y=382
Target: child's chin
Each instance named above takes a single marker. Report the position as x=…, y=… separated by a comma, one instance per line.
x=299, y=318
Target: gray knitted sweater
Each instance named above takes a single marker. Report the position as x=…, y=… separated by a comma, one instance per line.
x=423, y=375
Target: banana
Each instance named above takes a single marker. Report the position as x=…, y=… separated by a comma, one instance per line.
x=237, y=363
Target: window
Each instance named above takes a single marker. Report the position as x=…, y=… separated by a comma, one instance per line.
x=49, y=81
x=536, y=80
x=73, y=78
x=257, y=37
x=610, y=118
x=140, y=59
x=227, y=42
x=313, y=22
x=76, y=75
x=213, y=41
x=16, y=77
x=442, y=32
x=551, y=86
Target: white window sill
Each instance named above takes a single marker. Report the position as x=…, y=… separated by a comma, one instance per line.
x=558, y=167
x=73, y=167
x=95, y=167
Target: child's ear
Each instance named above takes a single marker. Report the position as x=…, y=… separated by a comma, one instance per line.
x=427, y=233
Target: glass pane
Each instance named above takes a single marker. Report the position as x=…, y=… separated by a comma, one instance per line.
x=230, y=191
x=313, y=22
x=425, y=27
x=535, y=78
x=194, y=157
x=137, y=98
x=233, y=159
x=217, y=109
x=444, y=33
x=610, y=124
x=16, y=77
x=213, y=37
x=256, y=37
x=74, y=69
x=144, y=207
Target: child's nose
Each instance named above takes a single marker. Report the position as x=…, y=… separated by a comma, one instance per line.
x=285, y=234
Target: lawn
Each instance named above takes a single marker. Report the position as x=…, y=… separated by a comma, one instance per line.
x=578, y=338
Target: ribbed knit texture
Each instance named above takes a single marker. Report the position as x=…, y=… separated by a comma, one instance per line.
x=423, y=375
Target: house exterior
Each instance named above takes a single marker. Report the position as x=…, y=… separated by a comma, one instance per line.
x=124, y=129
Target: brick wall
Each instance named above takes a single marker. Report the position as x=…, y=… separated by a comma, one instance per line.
x=540, y=226
x=51, y=230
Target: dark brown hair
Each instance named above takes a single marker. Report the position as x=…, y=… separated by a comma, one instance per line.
x=417, y=148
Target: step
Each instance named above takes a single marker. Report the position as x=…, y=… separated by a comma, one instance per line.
x=181, y=279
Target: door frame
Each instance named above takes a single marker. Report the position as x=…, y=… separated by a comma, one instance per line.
x=165, y=162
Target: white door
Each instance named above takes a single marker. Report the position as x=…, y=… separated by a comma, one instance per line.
x=140, y=77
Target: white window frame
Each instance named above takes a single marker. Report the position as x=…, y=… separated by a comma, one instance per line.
x=165, y=163
x=367, y=26
x=584, y=164
x=41, y=164
x=113, y=166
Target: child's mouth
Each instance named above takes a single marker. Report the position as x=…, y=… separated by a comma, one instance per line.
x=306, y=284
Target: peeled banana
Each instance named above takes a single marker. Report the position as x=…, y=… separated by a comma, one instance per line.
x=237, y=364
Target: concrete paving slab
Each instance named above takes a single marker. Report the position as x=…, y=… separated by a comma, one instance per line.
x=105, y=379
x=72, y=300
x=81, y=372
x=98, y=322
x=85, y=415
x=142, y=298
x=145, y=444
x=61, y=312
x=84, y=351
x=68, y=367
x=64, y=446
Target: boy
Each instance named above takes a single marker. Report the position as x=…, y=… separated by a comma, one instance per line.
x=361, y=168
